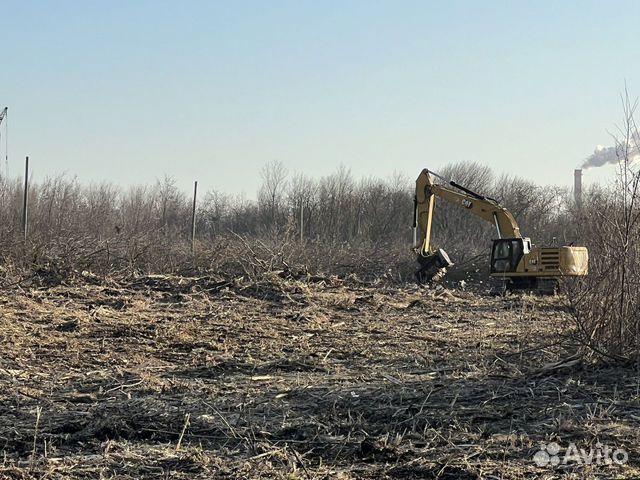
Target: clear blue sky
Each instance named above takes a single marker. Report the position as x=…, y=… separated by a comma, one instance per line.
x=128, y=91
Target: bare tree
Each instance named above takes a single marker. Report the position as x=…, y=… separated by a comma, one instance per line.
x=607, y=302
x=271, y=194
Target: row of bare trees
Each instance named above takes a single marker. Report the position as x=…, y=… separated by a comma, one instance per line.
x=337, y=224
x=337, y=209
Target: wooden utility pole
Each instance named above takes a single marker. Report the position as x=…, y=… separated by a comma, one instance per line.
x=25, y=204
x=193, y=218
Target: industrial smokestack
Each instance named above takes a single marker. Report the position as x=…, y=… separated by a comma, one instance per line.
x=577, y=186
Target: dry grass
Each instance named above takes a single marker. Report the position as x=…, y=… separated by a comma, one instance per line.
x=173, y=377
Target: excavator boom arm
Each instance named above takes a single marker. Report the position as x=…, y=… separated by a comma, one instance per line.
x=483, y=207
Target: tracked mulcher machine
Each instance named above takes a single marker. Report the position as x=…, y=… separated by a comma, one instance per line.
x=514, y=258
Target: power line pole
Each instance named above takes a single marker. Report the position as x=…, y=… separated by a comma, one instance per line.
x=4, y=116
x=25, y=203
x=301, y=222
x=193, y=218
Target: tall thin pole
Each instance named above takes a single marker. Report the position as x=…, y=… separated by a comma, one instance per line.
x=301, y=222
x=193, y=218
x=25, y=211
x=6, y=142
x=4, y=115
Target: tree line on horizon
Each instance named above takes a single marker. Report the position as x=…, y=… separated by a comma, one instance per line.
x=335, y=224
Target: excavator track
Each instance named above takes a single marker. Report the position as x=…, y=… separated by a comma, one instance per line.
x=536, y=286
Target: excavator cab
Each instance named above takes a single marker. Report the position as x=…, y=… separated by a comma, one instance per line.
x=507, y=253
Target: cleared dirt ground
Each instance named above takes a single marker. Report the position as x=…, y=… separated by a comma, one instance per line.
x=169, y=377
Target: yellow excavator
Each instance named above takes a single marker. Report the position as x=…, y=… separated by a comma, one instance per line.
x=514, y=259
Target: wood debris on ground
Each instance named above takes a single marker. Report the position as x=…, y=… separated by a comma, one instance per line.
x=175, y=377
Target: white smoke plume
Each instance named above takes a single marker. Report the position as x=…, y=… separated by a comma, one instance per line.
x=610, y=155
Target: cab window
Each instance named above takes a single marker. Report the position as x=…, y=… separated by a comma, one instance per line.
x=506, y=255
x=501, y=256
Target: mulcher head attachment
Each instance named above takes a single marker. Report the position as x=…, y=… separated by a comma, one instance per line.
x=433, y=266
